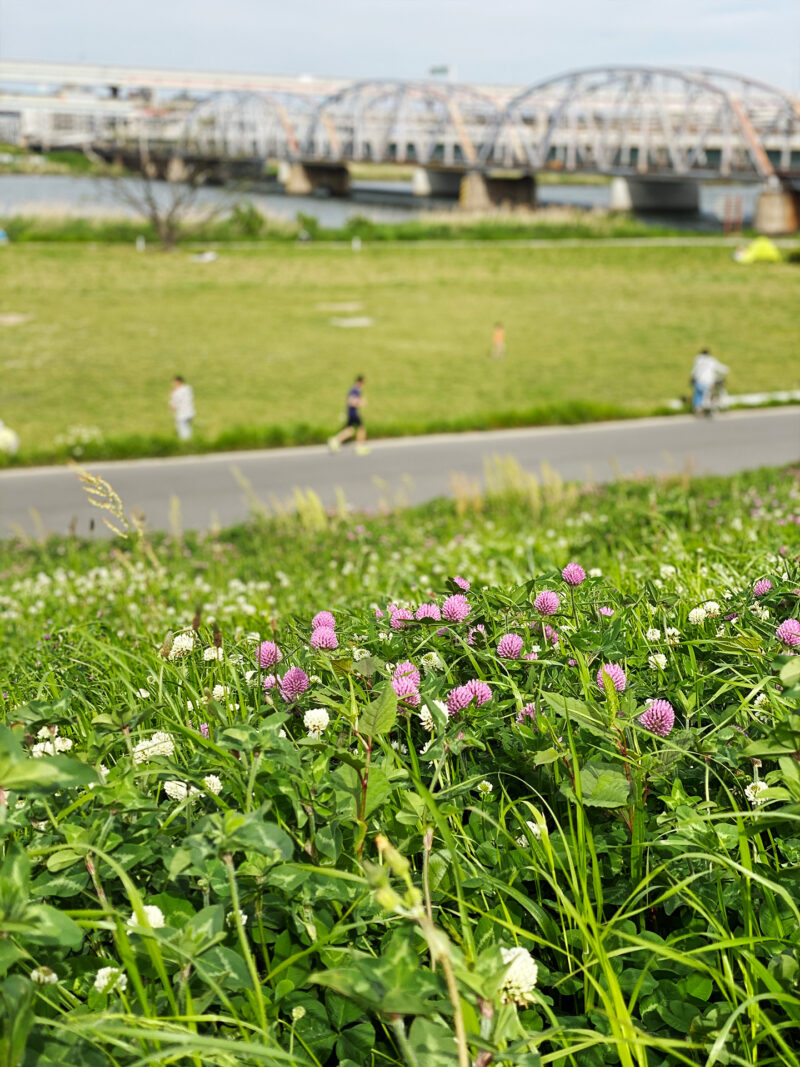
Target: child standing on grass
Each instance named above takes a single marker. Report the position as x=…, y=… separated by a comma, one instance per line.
x=355, y=426
x=181, y=400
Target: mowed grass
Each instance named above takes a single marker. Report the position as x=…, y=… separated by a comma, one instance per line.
x=253, y=332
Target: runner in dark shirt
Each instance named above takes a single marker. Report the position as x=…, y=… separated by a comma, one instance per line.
x=354, y=426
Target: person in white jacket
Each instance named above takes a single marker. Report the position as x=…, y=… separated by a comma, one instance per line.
x=181, y=400
x=706, y=373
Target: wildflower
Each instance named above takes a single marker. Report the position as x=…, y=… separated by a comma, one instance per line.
x=509, y=646
x=761, y=612
x=315, y=721
x=429, y=611
x=462, y=583
x=712, y=609
x=213, y=784
x=653, y=634
x=458, y=699
x=788, y=633
x=595, y=572
x=605, y=610
x=177, y=790
x=405, y=690
x=762, y=587
x=212, y=653
x=521, y=976
x=230, y=918
x=547, y=602
x=269, y=682
x=657, y=661
x=485, y=787
x=667, y=570
x=573, y=574
x=293, y=684
x=324, y=637
x=407, y=670
x=476, y=631
x=697, y=616
x=269, y=654
x=52, y=747
x=528, y=712
x=323, y=618
x=44, y=976
x=143, y=693
x=431, y=662
x=182, y=645
x=456, y=608
x=154, y=918
x=158, y=744
x=761, y=700
x=672, y=636
x=298, y=1013
x=360, y=653
x=658, y=717
x=534, y=828
x=533, y=654
x=480, y=690
x=426, y=719
x=753, y=792
x=220, y=692
x=399, y=617
x=615, y=674
x=110, y=980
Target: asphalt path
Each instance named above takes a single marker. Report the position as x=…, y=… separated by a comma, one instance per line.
x=220, y=489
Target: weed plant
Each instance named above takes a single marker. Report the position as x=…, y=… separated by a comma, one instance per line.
x=409, y=789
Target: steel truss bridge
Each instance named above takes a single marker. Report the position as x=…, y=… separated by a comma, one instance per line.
x=622, y=120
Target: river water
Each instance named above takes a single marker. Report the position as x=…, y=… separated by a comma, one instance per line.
x=65, y=195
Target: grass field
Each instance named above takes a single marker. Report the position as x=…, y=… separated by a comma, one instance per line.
x=254, y=332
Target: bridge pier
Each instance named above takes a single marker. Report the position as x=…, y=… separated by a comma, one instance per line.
x=442, y=184
x=482, y=192
x=778, y=210
x=303, y=179
x=655, y=195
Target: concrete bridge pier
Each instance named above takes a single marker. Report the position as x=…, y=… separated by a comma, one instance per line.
x=304, y=179
x=778, y=210
x=482, y=192
x=655, y=195
x=439, y=183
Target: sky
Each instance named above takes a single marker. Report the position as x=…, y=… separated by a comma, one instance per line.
x=514, y=42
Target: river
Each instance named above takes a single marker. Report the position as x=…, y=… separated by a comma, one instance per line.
x=65, y=195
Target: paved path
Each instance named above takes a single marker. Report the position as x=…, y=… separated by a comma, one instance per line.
x=215, y=488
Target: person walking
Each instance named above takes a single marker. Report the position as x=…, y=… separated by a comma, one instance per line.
x=355, y=424
x=707, y=374
x=181, y=400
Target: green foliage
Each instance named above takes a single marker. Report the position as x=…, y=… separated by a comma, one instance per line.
x=353, y=877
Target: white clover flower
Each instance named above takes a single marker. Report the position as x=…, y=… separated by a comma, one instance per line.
x=426, y=719
x=697, y=616
x=521, y=976
x=667, y=570
x=182, y=645
x=426, y=746
x=712, y=609
x=219, y=692
x=52, y=747
x=534, y=828
x=213, y=784
x=761, y=700
x=145, y=695
x=361, y=653
x=154, y=916
x=431, y=662
x=213, y=653
x=653, y=634
x=672, y=636
x=720, y=631
x=176, y=790
x=158, y=744
x=657, y=661
x=595, y=572
x=298, y=1013
x=753, y=792
x=45, y=733
x=230, y=918
x=111, y=980
x=485, y=787
x=315, y=721
x=760, y=611
x=400, y=746
x=44, y=976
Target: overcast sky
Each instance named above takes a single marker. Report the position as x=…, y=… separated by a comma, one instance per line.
x=507, y=41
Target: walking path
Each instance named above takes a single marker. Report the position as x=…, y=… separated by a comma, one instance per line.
x=219, y=488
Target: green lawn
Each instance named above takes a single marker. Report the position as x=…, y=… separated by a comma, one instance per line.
x=253, y=332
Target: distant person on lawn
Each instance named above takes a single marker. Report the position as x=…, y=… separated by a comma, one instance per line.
x=707, y=374
x=181, y=400
x=355, y=425
x=498, y=341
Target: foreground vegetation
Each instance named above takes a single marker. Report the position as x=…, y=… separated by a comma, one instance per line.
x=529, y=796
x=270, y=338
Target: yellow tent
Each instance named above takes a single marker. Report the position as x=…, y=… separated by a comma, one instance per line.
x=761, y=250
